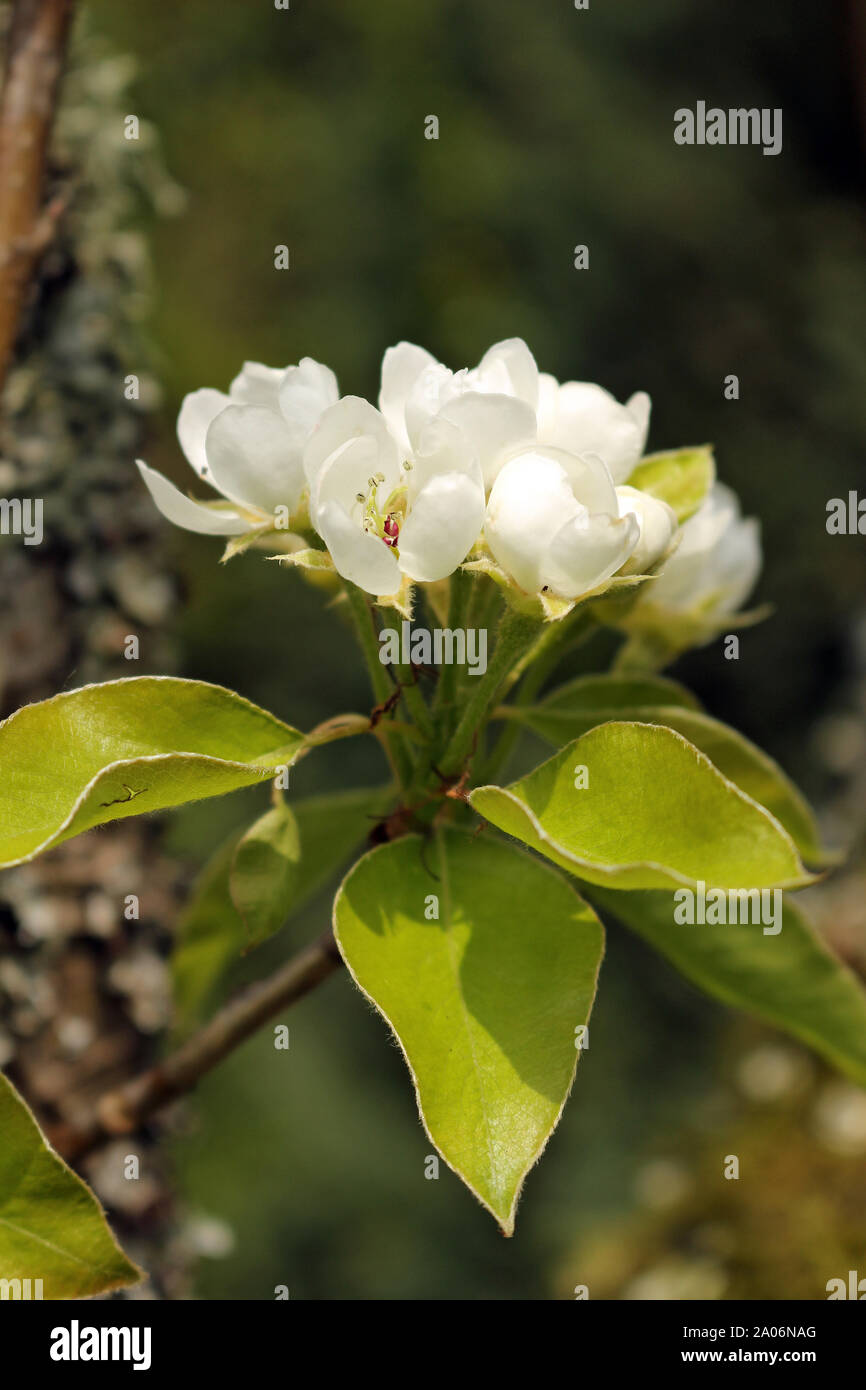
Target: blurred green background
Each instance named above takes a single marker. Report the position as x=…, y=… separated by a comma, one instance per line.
x=306, y=127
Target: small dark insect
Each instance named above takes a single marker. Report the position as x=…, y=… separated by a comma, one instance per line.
x=121, y=800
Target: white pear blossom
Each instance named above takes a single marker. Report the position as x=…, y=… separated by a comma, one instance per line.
x=554, y=524
x=403, y=494
x=494, y=404
x=717, y=563
x=384, y=518
x=658, y=526
x=585, y=419
x=248, y=444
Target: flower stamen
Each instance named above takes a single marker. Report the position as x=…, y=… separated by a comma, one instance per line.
x=383, y=520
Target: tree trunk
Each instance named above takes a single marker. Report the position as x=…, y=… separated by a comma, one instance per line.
x=83, y=985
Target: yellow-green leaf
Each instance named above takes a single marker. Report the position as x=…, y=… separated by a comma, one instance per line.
x=51, y=1226
x=791, y=979
x=682, y=478
x=571, y=710
x=265, y=871
x=631, y=805
x=125, y=748
x=211, y=934
x=484, y=962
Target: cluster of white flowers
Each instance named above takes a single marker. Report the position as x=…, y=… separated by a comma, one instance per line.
x=499, y=460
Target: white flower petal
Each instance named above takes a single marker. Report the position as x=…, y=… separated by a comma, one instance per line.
x=548, y=401
x=444, y=448
x=442, y=527
x=363, y=559
x=738, y=564
x=434, y=387
x=529, y=502
x=719, y=511
x=588, y=419
x=679, y=581
x=682, y=580
x=256, y=384
x=346, y=475
x=184, y=511
x=351, y=418
x=640, y=407
x=253, y=459
x=509, y=367
x=401, y=367
x=589, y=477
x=197, y=411
x=304, y=394
x=657, y=522
x=718, y=558
x=586, y=551
x=494, y=426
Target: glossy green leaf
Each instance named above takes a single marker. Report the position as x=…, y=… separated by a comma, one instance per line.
x=571, y=710
x=681, y=478
x=331, y=827
x=211, y=933
x=790, y=979
x=125, y=748
x=51, y=1226
x=265, y=871
x=654, y=812
x=484, y=999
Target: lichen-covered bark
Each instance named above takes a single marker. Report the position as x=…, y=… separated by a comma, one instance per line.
x=83, y=987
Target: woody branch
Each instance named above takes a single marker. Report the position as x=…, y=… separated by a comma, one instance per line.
x=126, y=1109
x=35, y=54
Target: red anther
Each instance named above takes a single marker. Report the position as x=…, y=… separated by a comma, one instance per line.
x=392, y=530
